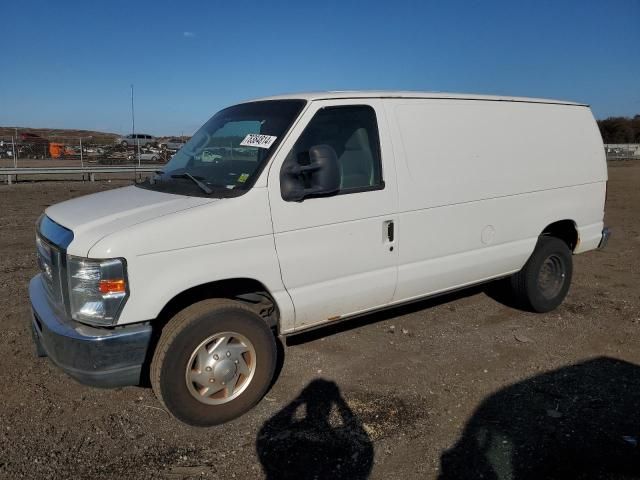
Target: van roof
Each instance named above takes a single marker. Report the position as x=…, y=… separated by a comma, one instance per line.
x=346, y=94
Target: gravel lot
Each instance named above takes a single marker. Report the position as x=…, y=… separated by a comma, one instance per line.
x=455, y=388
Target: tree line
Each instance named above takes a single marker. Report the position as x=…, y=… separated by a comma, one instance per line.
x=620, y=129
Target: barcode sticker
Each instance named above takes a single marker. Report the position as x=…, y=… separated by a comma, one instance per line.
x=257, y=140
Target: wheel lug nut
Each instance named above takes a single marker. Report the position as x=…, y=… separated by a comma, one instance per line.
x=228, y=354
x=213, y=380
x=236, y=362
x=208, y=369
x=215, y=357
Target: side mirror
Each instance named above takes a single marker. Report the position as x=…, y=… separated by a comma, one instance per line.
x=322, y=175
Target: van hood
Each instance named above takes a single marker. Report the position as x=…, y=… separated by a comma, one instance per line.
x=92, y=217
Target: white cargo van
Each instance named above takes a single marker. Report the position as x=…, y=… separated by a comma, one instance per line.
x=315, y=208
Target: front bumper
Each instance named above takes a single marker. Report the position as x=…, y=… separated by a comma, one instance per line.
x=99, y=357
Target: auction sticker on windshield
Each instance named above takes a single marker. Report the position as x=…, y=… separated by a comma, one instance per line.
x=257, y=140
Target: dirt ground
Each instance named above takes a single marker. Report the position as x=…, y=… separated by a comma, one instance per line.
x=455, y=388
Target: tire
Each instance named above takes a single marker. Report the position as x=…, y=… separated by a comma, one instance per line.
x=154, y=159
x=124, y=144
x=544, y=281
x=185, y=334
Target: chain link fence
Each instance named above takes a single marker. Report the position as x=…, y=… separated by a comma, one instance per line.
x=622, y=151
x=28, y=150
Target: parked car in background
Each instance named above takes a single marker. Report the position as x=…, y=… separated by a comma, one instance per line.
x=6, y=149
x=32, y=145
x=145, y=157
x=136, y=139
x=173, y=144
x=208, y=156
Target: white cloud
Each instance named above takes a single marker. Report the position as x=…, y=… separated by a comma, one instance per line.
x=188, y=34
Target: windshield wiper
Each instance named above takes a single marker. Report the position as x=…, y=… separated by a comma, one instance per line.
x=202, y=186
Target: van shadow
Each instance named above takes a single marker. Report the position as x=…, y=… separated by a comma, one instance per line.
x=580, y=421
x=316, y=436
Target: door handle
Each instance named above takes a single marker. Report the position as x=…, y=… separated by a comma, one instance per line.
x=390, y=230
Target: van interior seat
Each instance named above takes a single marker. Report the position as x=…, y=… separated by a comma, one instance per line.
x=356, y=162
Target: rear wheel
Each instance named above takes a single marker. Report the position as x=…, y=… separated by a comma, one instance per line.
x=544, y=281
x=214, y=361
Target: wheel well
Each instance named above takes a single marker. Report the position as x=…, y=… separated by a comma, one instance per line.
x=245, y=290
x=564, y=230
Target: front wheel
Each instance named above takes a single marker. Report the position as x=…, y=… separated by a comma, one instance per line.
x=214, y=361
x=544, y=281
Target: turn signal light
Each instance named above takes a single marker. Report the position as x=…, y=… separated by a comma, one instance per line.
x=112, y=286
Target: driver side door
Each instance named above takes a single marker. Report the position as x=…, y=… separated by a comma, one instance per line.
x=338, y=252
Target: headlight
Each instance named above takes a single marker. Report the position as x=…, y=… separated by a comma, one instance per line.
x=97, y=289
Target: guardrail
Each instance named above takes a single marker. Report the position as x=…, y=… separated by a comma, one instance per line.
x=12, y=174
x=612, y=157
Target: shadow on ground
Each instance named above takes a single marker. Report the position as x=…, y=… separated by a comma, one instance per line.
x=578, y=422
x=316, y=436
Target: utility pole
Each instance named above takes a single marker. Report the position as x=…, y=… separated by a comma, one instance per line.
x=133, y=126
x=15, y=151
x=133, y=118
x=15, y=154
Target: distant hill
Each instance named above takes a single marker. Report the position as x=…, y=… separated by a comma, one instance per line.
x=61, y=134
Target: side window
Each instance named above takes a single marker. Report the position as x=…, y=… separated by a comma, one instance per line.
x=352, y=131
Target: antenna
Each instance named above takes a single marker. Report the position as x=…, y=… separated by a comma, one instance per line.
x=133, y=118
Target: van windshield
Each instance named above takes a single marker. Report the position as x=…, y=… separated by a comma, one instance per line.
x=226, y=155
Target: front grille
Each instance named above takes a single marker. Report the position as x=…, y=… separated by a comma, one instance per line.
x=49, y=261
x=52, y=241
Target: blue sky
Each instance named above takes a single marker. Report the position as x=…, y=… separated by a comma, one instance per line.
x=70, y=64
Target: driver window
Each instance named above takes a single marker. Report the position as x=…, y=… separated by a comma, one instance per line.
x=352, y=132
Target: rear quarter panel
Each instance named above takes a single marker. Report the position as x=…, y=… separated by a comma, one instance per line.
x=479, y=181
